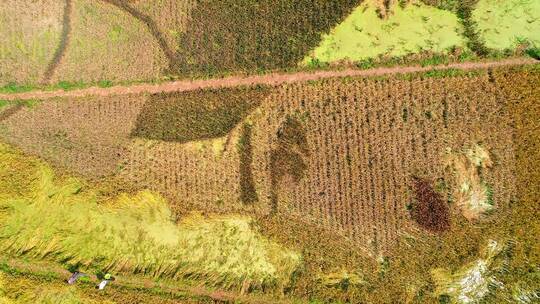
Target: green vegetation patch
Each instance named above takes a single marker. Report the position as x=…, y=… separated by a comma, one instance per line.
x=411, y=29
x=204, y=114
x=42, y=216
x=505, y=24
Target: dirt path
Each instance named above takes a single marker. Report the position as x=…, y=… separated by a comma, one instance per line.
x=142, y=283
x=268, y=79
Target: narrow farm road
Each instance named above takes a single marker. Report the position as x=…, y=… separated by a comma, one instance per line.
x=267, y=79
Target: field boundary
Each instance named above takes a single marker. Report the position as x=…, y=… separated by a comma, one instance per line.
x=272, y=79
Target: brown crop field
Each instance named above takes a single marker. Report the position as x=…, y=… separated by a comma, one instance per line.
x=27, y=49
x=87, y=136
x=114, y=41
x=223, y=36
x=269, y=151
x=363, y=164
x=108, y=45
x=82, y=41
x=341, y=152
x=368, y=139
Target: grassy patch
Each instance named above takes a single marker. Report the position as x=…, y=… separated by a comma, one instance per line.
x=14, y=88
x=105, y=83
x=534, y=52
x=69, y=86
x=506, y=24
x=411, y=29
x=43, y=216
x=21, y=290
x=203, y=114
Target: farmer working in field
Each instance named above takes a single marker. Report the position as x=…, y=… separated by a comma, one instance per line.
x=106, y=279
x=76, y=275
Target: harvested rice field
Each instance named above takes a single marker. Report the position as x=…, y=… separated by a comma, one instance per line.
x=196, y=151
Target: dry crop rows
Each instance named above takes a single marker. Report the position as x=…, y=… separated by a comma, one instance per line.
x=369, y=137
x=87, y=136
x=341, y=153
x=125, y=40
x=108, y=44
x=99, y=41
x=171, y=16
x=194, y=176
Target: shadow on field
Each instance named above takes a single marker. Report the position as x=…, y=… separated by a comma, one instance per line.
x=150, y=24
x=188, y=116
x=244, y=35
x=64, y=41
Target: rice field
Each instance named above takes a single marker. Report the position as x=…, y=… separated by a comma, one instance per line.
x=120, y=41
x=60, y=219
x=274, y=152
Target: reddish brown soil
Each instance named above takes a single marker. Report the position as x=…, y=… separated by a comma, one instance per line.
x=269, y=79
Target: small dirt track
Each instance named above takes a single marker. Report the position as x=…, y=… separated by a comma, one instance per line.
x=268, y=79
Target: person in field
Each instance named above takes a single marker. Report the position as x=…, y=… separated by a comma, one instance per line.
x=106, y=279
x=75, y=276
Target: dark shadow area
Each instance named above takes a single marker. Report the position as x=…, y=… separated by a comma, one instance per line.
x=429, y=210
x=248, y=193
x=288, y=157
x=64, y=42
x=245, y=35
x=196, y=115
